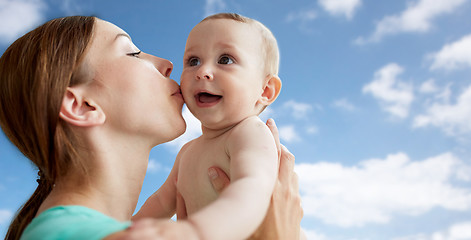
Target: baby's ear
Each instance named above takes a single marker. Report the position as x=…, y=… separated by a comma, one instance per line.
x=271, y=90
x=78, y=111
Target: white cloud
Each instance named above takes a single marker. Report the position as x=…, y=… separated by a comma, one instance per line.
x=445, y=94
x=375, y=190
x=458, y=231
x=288, y=133
x=343, y=103
x=312, y=129
x=417, y=17
x=305, y=15
x=311, y=235
x=154, y=166
x=454, y=119
x=18, y=17
x=453, y=56
x=266, y=114
x=5, y=216
x=303, y=18
x=428, y=86
x=298, y=110
x=214, y=6
x=193, y=130
x=74, y=7
x=345, y=8
x=394, y=95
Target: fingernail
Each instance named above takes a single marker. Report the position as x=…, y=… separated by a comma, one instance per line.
x=271, y=122
x=213, y=174
x=285, y=148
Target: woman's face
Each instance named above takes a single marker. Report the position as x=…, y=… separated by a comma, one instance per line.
x=133, y=88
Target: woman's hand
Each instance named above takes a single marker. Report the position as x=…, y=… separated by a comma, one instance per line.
x=157, y=229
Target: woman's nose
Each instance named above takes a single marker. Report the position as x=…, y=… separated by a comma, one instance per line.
x=163, y=65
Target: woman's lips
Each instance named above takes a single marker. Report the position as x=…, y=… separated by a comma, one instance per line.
x=178, y=94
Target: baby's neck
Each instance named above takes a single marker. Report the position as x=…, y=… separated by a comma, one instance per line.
x=211, y=133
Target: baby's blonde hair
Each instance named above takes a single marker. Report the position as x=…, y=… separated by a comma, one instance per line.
x=270, y=46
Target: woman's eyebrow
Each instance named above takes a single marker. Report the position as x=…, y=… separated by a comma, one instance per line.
x=122, y=35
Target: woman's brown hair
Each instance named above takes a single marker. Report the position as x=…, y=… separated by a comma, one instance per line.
x=35, y=72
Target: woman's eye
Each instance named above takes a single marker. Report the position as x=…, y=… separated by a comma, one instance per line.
x=225, y=60
x=134, y=54
x=193, y=61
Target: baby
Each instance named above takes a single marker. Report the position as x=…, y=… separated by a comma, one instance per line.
x=230, y=75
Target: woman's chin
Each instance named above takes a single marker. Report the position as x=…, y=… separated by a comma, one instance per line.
x=178, y=131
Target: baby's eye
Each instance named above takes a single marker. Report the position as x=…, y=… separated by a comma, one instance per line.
x=225, y=60
x=193, y=61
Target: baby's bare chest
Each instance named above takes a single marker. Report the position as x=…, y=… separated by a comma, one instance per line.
x=193, y=180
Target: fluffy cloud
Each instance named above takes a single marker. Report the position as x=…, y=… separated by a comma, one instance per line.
x=18, y=17
x=345, y=8
x=454, y=119
x=193, y=130
x=428, y=86
x=458, y=231
x=302, y=16
x=375, y=190
x=298, y=110
x=311, y=235
x=214, y=6
x=453, y=56
x=154, y=166
x=417, y=17
x=5, y=216
x=288, y=134
x=394, y=95
x=344, y=104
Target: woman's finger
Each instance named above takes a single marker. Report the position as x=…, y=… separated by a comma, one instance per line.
x=274, y=131
x=181, y=207
x=286, y=165
x=219, y=178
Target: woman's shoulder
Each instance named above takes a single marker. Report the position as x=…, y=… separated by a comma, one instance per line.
x=72, y=222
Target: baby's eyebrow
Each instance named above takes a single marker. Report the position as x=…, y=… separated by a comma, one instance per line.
x=226, y=45
x=190, y=49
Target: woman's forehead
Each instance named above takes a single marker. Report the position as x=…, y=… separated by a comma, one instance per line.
x=106, y=32
x=106, y=35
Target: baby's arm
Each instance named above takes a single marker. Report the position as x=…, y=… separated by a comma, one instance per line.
x=242, y=206
x=162, y=204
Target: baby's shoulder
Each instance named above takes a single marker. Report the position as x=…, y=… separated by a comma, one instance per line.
x=250, y=127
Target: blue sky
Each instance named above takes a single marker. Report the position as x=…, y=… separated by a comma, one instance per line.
x=376, y=105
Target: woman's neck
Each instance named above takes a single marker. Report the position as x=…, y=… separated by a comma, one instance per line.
x=112, y=184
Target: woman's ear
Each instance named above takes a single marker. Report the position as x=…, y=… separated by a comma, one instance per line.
x=271, y=90
x=78, y=111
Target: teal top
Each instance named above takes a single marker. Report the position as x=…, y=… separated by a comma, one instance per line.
x=72, y=222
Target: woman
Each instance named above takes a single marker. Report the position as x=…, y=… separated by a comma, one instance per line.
x=92, y=107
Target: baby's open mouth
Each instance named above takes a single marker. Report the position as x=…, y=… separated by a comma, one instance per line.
x=204, y=97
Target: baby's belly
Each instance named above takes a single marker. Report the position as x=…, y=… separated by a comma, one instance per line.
x=194, y=183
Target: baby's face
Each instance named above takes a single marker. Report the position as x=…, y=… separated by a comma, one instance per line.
x=223, y=78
